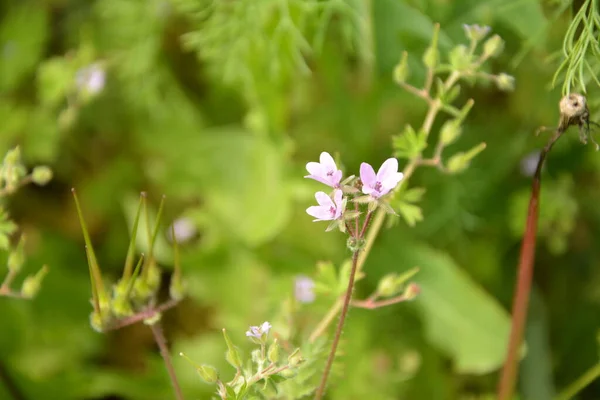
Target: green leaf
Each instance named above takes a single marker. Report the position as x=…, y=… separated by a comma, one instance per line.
x=245, y=187
x=459, y=317
x=409, y=144
x=410, y=212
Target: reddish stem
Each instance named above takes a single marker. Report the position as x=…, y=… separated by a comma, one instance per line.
x=524, y=278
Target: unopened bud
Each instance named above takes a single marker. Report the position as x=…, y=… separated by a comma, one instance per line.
x=401, y=69
x=493, y=46
x=387, y=286
x=41, y=175
x=16, y=258
x=505, y=82
x=451, y=130
x=273, y=353
x=31, y=284
x=295, y=359
x=208, y=373
x=411, y=291
x=232, y=355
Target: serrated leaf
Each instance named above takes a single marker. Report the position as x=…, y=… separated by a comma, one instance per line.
x=410, y=212
x=409, y=144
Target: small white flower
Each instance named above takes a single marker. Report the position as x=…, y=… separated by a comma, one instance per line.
x=184, y=230
x=91, y=79
x=303, y=289
x=259, y=332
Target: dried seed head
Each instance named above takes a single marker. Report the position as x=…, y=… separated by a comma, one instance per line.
x=573, y=106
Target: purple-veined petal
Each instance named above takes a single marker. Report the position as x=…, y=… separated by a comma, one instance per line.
x=319, y=178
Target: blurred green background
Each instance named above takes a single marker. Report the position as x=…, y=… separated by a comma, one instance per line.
x=219, y=105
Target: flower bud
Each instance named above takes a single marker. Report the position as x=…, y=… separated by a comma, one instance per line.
x=460, y=161
x=401, y=69
x=31, y=284
x=232, y=355
x=208, y=373
x=505, y=82
x=459, y=58
x=387, y=286
x=451, y=130
x=431, y=57
x=295, y=359
x=493, y=46
x=16, y=258
x=41, y=175
x=273, y=353
x=411, y=291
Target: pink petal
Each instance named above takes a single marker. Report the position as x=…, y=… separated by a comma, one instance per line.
x=318, y=178
x=324, y=200
x=314, y=168
x=367, y=176
x=388, y=169
x=392, y=181
x=319, y=212
x=336, y=178
x=327, y=162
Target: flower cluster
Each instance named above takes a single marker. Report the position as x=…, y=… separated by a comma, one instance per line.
x=373, y=185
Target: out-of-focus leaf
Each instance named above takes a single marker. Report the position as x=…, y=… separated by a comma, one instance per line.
x=459, y=317
x=23, y=32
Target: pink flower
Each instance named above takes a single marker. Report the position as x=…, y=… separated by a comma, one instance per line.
x=386, y=179
x=328, y=209
x=325, y=171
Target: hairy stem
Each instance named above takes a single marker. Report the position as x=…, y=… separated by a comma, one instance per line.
x=159, y=337
x=525, y=275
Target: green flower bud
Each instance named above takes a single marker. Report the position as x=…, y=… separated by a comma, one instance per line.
x=295, y=359
x=431, y=57
x=388, y=285
x=459, y=58
x=273, y=353
x=13, y=157
x=493, y=46
x=232, y=355
x=401, y=70
x=16, y=258
x=505, y=82
x=208, y=373
x=412, y=291
x=451, y=130
x=31, y=284
x=460, y=161
x=41, y=175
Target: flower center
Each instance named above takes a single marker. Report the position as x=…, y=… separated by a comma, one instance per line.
x=330, y=173
x=332, y=211
x=377, y=186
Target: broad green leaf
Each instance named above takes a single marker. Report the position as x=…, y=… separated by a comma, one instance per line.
x=459, y=317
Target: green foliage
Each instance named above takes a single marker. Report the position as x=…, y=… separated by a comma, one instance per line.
x=580, y=49
x=219, y=105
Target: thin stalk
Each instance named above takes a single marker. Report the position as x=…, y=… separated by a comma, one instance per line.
x=588, y=377
x=159, y=337
x=340, y=326
x=524, y=278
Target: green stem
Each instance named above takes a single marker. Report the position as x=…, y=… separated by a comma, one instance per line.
x=588, y=377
